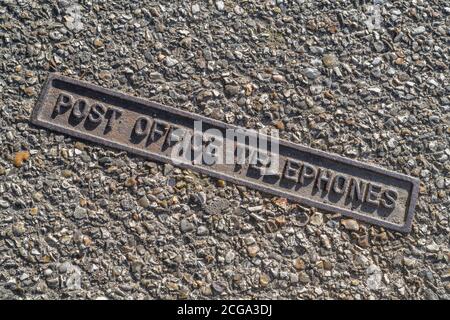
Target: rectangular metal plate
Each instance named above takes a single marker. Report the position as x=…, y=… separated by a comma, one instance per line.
x=353, y=188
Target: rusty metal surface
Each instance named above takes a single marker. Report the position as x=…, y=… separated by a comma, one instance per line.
x=352, y=188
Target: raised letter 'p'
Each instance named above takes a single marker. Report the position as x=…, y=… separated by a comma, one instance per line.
x=63, y=104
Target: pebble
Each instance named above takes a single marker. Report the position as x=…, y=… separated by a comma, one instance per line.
x=433, y=247
x=350, y=224
x=220, y=5
x=409, y=262
x=264, y=280
x=299, y=264
x=329, y=60
x=229, y=257
x=105, y=75
x=4, y=204
x=231, y=90
x=325, y=241
x=255, y=209
x=55, y=35
x=79, y=213
x=221, y=183
x=316, y=219
x=170, y=62
x=279, y=125
x=218, y=287
x=20, y=157
x=38, y=196
x=48, y=272
x=418, y=30
x=374, y=277
x=130, y=182
x=98, y=42
x=311, y=73
x=53, y=282
x=87, y=241
x=195, y=8
x=280, y=221
x=440, y=183
x=253, y=250
x=127, y=204
x=278, y=78
x=201, y=196
x=67, y=173
x=19, y=229
x=202, y=231
x=144, y=202
x=303, y=277
x=186, y=226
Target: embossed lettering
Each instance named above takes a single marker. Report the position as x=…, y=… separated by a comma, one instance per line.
x=63, y=104
x=292, y=170
x=324, y=176
x=388, y=198
x=373, y=191
x=339, y=184
x=308, y=172
x=112, y=114
x=80, y=109
x=158, y=130
x=97, y=113
x=357, y=190
x=142, y=126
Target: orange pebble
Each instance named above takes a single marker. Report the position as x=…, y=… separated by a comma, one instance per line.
x=20, y=157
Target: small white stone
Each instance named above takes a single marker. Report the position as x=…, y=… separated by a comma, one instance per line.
x=229, y=257
x=220, y=5
x=375, y=89
x=419, y=30
x=392, y=143
x=195, y=8
x=374, y=277
x=170, y=62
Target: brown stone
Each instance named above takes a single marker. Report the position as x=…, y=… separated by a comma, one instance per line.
x=264, y=279
x=350, y=224
x=280, y=220
x=98, y=43
x=299, y=264
x=221, y=183
x=131, y=182
x=329, y=60
x=87, y=241
x=253, y=250
x=20, y=157
x=279, y=125
x=278, y=78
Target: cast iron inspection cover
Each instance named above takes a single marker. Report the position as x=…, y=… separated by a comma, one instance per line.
x=312, y=177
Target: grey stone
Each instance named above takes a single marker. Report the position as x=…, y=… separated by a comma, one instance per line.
x=374, y=277
x=186, y=226
x=195, y=8
x=79, y=213
x=311, y=73
x=202, y=231
x=418, y=30
x=170, y=62
x=232, y=90
x=220, y=5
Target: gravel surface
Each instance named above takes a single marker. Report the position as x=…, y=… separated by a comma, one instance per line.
x=367, y=81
